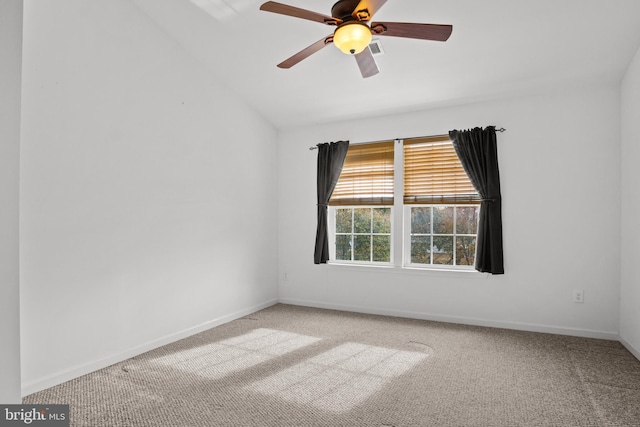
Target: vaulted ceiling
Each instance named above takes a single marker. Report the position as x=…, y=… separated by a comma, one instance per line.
x=498, y=48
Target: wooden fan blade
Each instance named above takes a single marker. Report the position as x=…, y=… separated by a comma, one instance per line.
x=367, y=63
x=365, y=10
x=296, y=12
x=413, y=31
x=305, y=53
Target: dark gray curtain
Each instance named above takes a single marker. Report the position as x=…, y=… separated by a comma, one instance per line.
x=330, y=161
x=478, y=153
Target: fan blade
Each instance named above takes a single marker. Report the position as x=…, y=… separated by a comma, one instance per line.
x=367, y=63
x=365, y=10
x=305, y=53
x=413, y=31
x=296, y=12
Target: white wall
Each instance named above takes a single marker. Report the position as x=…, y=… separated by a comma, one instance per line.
x=148, y=205
x=10, y=66
x=559, y=164
x=630, y=281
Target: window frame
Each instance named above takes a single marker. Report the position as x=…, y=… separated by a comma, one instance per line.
x=408, y=234
x=332, y=236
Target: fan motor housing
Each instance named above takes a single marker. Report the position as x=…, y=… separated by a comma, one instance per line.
x=343, y=9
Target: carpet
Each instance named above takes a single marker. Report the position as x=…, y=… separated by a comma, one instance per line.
x=297, y=366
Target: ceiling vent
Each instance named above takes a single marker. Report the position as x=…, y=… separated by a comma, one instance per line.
x=376, y=47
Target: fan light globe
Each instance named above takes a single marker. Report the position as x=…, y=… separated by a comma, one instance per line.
x=352, y=38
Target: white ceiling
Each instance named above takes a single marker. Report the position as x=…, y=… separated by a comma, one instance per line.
x=498, y=48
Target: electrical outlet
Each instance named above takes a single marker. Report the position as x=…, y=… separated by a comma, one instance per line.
x=578, y=296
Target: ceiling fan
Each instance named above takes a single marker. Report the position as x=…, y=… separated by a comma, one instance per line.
x=354, y=30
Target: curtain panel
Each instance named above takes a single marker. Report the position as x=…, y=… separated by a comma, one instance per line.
x=330, y=161
x=478, y=153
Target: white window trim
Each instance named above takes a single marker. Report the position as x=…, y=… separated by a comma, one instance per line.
x=398, y=203
x=408, y=271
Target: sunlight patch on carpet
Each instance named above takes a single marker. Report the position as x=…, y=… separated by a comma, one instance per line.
x=222, y=358
x=341, y=378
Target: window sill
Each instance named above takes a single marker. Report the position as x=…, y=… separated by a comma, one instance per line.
x=420, y=271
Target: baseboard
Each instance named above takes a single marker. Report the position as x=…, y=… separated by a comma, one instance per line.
x=69, y=374
x=630, y=347
x=585, y=333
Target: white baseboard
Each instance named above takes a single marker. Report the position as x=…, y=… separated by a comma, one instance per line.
x=558, y=330
x=630, y=347
x=71, y=373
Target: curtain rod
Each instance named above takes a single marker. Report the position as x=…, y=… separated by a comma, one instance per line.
x=315, y=147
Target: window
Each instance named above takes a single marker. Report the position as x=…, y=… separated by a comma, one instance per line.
x=442, y=235
x=360, y=213
x=439, y=209
x=363, y=234
x=441, y=205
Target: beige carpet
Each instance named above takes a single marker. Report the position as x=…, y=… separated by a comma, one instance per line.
x=295, y=366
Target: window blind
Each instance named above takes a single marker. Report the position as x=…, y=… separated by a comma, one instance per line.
x=433, y=173
x=367, y=176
